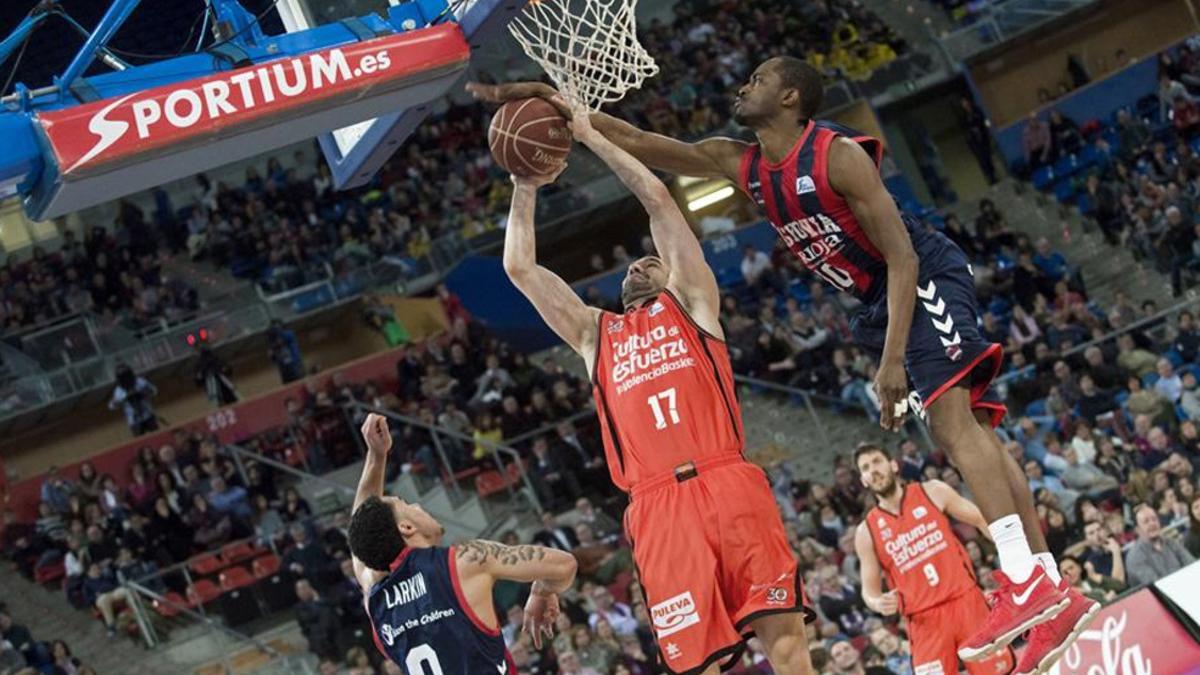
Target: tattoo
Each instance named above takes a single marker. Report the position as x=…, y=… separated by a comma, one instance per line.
x=479, y=552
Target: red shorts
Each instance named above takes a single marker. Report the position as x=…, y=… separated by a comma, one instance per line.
x=712, y=556
x=936, y=633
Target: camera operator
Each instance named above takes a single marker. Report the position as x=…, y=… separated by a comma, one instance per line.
x=213, y=374
x=284, y=350
x=133, y=395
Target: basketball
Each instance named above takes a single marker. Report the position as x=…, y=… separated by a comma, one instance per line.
x=529, y=137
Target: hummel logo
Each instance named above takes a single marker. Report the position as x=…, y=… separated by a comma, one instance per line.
x=1023, y=597
x=503, y=668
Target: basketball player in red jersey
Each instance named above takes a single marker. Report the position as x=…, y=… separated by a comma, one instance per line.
x=907, y=536
x=708, y=541
x=819, y=185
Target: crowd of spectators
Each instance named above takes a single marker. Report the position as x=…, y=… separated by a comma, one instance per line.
x=284, y=226
x=117, y=276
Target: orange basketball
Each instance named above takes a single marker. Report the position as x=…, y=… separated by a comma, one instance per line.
x=529, y=137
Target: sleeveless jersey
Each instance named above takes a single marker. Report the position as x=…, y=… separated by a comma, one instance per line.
x=814, y=221
x=923, y=559
x=664, y=392
x=421, y=620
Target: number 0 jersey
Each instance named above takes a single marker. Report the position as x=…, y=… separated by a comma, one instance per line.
x=815, y=222
x=664, y=392
x=421, y=620
x=919, y=552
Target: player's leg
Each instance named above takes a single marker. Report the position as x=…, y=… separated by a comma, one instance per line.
x=677, y=568
x=951, y=366
x=1023, y=499
x=783, y=637
x=931, y=638
x=758, y=572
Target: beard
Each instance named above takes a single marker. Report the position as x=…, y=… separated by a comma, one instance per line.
x=889, y=488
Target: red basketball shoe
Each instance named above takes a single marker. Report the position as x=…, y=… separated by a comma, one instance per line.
x=1015, y=609
x=1050, y=640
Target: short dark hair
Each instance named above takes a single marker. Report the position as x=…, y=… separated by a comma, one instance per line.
x=797, y=74
x=866, y=448
x=374, y=538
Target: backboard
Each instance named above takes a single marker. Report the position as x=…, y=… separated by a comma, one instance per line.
x=356, y=152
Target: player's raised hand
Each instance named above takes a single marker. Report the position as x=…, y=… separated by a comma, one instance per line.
x=536, y=182
x=541, y=611
x=891, y=385
x=377, y=435
x=581, y=127
x=887, y=604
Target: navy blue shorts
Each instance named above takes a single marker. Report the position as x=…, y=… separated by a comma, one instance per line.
x=944, y=344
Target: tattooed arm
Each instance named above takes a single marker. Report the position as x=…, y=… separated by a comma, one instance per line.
x=550, y=570
x=481, y=564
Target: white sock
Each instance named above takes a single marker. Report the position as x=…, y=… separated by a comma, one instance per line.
x=1046, y=560
x=1016, y=560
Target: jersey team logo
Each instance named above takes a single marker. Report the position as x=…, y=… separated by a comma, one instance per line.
x=656, y=308
x=674, y=614
x=920, y=512
x=805, y=184
x=616, y=326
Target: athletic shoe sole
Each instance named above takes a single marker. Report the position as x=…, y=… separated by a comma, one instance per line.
x=1055, y=654
x=969, y=654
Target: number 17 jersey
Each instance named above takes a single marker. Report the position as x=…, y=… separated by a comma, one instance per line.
x=664, y=392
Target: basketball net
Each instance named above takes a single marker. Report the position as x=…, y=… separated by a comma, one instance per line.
x=590, y=52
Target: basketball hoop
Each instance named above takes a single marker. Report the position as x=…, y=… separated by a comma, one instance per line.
x=591, y=52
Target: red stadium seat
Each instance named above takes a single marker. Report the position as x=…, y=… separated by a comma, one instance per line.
x=203, y=592
x=238, y=551
x=50, y=573
x=235, y=577
x=265, y=566
x=209, y=563
x=171, y=606
x=489, y=483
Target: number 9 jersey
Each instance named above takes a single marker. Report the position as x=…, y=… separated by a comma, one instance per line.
x=919, y=552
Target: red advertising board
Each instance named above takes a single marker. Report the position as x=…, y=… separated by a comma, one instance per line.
x=1135, y=636
x=116, y=131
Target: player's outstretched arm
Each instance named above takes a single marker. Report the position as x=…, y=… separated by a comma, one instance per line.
x=956, y=506
x=379, y=442
x=871, y=573
x=691, y=277
x=481, y=564
x=853, y=174
x=560, y=308
x=710, y=158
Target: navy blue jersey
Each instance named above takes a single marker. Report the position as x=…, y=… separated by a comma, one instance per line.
x=421, y=620
x=817, y=224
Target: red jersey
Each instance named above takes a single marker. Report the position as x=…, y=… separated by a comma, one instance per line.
x=919, y=552
x=664, y=392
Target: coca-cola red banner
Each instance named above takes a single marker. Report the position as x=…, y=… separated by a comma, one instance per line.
x=116, y=130
x=1135, y=636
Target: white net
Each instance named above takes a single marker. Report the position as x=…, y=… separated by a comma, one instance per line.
x=589, y=48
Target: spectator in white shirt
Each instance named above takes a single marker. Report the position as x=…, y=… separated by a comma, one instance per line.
x=756, y=269
x=618, y=614
x=1169, y=384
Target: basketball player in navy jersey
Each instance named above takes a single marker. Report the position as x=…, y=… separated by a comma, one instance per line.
x=818, y=183
x=431, y=607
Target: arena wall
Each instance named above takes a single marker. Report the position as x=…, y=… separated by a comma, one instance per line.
x=1007, y=78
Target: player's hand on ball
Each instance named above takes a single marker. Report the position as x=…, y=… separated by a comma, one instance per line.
x=887, y=604
x=536, y=182
x=541, y=611
x=581, y=126
x=891, y=385
x=510, y=91
x=376, y=433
